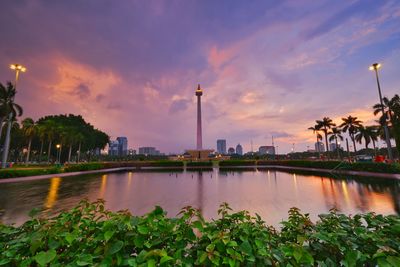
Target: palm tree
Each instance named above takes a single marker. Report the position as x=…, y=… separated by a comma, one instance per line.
x=49, y=126
x=41, y=132
x=315, y=130
x=7, y=104
x=79, y=138
x=29, y=129
x=335, y=135
x=324, y=125
x=351, y=125
x=363, y=133
x=391, y=117
x=390, y=107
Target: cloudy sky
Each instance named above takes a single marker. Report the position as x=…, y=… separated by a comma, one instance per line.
x=267, y=67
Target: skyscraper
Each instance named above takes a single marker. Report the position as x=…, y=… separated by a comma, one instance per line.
x=113, y=148
x=239, y=149
x=221, y=146
x=122, y=146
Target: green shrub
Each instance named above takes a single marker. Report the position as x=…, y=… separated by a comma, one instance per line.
x=224, y=163
x=83, y=167
x=13, y=173
x=199, y=164
x=88, y=235
x=165, y=163
x=338, y=165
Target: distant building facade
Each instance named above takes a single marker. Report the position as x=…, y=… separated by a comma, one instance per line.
x=118, y=147
x=239, y=149
x=266, y=150
x=319, y=147
x=131, y=152
x=122, y=146
x=231, y=151
x=333, y=147
x=113, y=148
x=221, y=146
x=149, y=151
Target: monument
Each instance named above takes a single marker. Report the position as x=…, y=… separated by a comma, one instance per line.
x=199, y=153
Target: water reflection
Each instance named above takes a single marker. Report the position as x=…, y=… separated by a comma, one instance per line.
x=266, y=192
x=53, y=192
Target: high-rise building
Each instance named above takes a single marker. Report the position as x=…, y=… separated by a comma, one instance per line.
x=266, y=150
x=113, y=148
x=221, y=146
x=122, y=146
x=231, y=151
x=239, y=149
x=319, y=147
x=332, y=146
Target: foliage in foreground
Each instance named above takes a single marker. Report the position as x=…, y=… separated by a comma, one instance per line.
x=90, y=235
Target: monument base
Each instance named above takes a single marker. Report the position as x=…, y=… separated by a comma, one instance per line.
x=199, y=154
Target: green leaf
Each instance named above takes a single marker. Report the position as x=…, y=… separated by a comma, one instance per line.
x=246, y=248
x=151, y=263
x=43, y=258
x=115, y=247
x=108, y=235
x=203, y=257
x=4, y=261
x=395, y=261
x=143, y=229
x=165, y=259
x=84, y=260
x=70, y=238
x=232, y=244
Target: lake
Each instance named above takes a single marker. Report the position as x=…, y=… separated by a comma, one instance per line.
x=269, y=193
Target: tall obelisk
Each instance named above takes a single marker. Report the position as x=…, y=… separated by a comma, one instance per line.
x=199, y=93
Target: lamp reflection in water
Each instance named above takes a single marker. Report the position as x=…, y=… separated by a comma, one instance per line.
x=53, y=192
x=103, y=185
x=345, y=193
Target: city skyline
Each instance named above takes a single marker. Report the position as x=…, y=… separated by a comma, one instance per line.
x=269, y=68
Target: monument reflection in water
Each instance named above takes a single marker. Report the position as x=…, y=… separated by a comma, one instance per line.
x=269, y=193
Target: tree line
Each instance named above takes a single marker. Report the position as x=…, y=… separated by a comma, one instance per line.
x=40, y=141
x=358, y=132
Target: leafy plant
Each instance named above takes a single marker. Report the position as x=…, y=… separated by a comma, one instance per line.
x=90, y=235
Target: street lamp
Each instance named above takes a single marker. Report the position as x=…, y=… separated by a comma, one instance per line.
x=17, y=68
x=58, y=146
x=375, y=67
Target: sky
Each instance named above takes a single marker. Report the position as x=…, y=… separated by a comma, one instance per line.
x=267, y=68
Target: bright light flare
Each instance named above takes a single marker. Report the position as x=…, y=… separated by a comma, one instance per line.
x=17, y=67
x=375, y=66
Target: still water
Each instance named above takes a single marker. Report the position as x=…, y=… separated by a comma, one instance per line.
x=269, y=193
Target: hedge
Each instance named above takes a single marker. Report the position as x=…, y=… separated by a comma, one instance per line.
x=89, y=235
x=337, y=165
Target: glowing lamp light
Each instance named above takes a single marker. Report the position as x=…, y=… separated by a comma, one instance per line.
x=58, y=145
x=17, y=67
x=375, y=66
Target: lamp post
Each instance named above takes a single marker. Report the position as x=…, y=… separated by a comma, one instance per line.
x=17, y=68
x=375, y=68
x=58, y=146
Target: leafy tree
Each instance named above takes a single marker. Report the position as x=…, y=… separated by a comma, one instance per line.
x=324, y=125
x=315, y=130
x=391, y=117
x=29, y=130
x=336, y=134
x=351, y=125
